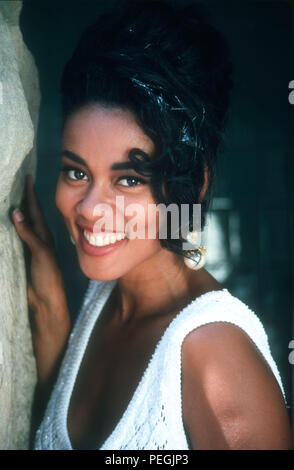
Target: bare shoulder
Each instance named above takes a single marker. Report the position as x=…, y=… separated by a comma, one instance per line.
x=231, y=398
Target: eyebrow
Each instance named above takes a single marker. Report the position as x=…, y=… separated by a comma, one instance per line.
x=115, y=166
x=73, y=156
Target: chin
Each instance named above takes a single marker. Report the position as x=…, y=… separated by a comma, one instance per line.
x=99, y=274
x=115, y=265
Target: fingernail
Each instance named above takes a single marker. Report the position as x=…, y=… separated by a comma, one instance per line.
x=18, y=215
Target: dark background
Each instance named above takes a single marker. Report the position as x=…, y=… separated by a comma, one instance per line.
x=250, y=230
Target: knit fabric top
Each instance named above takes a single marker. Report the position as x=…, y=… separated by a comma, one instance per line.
x=153, y=417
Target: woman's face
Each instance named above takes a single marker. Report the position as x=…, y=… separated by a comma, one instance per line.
x=94, y=139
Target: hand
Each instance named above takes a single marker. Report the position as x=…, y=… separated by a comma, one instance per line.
x=46, y=279
x=45, y=288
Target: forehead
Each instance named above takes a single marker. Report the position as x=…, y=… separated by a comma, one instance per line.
x=109, y=131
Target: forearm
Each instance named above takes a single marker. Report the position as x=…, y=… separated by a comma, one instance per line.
x=50, y=330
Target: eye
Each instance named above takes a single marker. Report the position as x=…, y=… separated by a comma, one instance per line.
x=76, y=175
x=131, y=181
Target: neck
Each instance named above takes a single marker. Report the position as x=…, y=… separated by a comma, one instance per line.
x=161, y=284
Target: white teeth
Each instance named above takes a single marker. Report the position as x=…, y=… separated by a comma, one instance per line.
x=113, y=238
x=97, y=241
x=103, y=240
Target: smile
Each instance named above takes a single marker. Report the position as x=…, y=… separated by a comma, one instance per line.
x=99, y=239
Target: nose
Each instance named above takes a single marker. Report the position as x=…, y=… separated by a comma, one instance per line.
x=96, y=208
x=88, y=206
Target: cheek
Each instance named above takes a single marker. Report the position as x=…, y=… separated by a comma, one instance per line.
x=141, y=218
x=152, y=220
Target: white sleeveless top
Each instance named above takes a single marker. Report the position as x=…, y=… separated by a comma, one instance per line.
x=153, y=417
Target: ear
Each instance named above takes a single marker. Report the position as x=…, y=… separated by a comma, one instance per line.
x=205, y=185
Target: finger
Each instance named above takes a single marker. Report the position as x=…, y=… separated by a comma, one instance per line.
x=36, y=214
x=33, y=306
x=24, y=230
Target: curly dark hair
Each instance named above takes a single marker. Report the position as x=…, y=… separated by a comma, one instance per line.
x=170, y=68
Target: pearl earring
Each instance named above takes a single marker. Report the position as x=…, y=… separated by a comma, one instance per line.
x=198, y=256
x=72, y=240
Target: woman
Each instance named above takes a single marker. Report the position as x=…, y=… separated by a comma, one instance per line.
x=162, y=356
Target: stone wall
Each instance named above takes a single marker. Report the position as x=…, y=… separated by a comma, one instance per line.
x=19, y=104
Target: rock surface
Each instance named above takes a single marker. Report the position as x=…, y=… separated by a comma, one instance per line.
x=19, y=103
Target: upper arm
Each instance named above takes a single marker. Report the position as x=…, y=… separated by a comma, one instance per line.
x=231, y=399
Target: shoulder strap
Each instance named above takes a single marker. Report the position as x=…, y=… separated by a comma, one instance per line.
x=218, y=306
